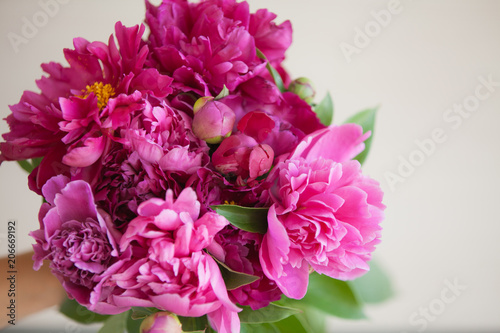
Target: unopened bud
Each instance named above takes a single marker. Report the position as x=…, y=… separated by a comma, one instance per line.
x=161, y=322
x=304, y=88
x=213, y=121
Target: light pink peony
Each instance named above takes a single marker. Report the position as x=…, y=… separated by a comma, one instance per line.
x=325, y=214
x=80, y=242
x=169, y=269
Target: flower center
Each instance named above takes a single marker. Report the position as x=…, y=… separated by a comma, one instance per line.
x=102, y=91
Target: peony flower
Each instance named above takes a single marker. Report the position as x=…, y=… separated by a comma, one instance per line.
x=163, y=135
x=169, y=269
x=325, y=214
x=239, y=250
x=161, y=322
x=211, y=44
x=72, y=122
x=80, y=242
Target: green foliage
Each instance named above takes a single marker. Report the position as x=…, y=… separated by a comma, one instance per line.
x=224, y=92
x=274, y=73
x=365, y=119
x=374, y=286
x=232, y=278
x=194, y=324
x=252, y=219
x=77, y=312
x=29, y=165
x=333, y=296
x=269, y=314
x=324, y=110
x=116, y=323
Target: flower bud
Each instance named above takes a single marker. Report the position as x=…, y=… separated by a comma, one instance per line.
x=213, y=121
x=161, y=322
x=304, y=88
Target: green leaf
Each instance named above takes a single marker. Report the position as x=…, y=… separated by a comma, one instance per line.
x=324, y=110
x=116, y=323
x=77, y=312
x=366, y=119
x=26, y=165
x=224, y=92
x=36, y=161
x=194, y=324
x=268, y=314
x=234, y=279
x=287, y=325
x=374, y=286
x=29, y=165
x=333, y=296
x=252, y=219
x=133, y=325
x=141, y=313
x=274, y=73
x=292, y=324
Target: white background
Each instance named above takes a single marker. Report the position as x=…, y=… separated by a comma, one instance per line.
x=443, y=220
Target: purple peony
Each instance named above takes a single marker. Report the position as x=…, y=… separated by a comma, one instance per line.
x=239, y=250
x=325, y=214
x=80, y=242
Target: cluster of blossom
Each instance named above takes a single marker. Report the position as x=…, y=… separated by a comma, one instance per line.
x=139, y=144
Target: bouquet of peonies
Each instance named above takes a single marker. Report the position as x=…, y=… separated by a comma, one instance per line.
x=191, y=185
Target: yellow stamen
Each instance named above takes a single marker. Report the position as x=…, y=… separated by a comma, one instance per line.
x=229, y=202
x=102, y=91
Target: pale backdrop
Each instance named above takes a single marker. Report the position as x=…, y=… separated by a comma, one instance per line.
x=442, y=224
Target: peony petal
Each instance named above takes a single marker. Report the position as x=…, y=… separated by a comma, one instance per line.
x=87, y=155
x=337, y=143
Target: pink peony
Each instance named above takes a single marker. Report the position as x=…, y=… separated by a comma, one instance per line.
x=169, y=269
x=80, y=242
x=207, y=45
x=325, y=214
x=164, y=136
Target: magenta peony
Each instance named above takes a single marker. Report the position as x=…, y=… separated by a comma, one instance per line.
x=211, y=44
x=325, y=214
x=72, y=122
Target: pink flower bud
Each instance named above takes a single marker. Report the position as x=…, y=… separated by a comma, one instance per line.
x=161, y=322
x=213, y=121
x=240, y=155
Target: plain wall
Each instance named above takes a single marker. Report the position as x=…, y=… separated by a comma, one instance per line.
x=425, y=61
